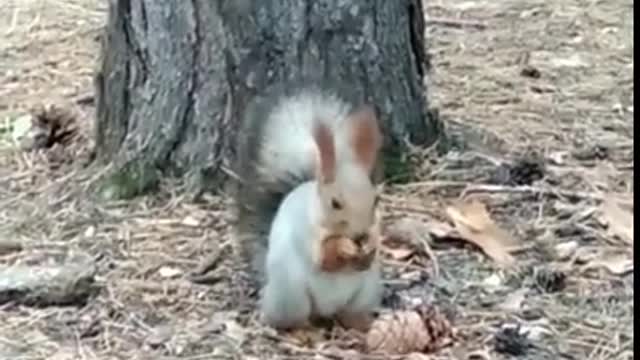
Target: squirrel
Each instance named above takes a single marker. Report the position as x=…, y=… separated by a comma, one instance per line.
x=306, y=207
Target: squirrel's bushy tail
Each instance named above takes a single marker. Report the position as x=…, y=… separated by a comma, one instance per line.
x=276, y=153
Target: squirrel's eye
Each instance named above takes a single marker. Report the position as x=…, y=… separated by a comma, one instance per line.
x=336, y=205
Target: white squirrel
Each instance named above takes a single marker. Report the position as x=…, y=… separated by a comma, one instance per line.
x=307, y=156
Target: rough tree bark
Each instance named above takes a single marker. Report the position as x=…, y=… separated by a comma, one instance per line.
x=175, y=75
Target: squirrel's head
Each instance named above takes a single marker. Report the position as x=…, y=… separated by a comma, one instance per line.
x=348, y=198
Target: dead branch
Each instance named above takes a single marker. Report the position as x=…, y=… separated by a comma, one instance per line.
x=456, y=23
x=572, y=195
x=46, y=285
x=9, y=246
x=468, y=188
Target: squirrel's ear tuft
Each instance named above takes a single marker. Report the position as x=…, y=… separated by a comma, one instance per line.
x=366, y=138
x=326, y=168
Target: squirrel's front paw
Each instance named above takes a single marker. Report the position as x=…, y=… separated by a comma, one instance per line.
x=339, y=253
x=336, y=253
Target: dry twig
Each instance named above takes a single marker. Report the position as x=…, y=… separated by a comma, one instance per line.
x=46, y=285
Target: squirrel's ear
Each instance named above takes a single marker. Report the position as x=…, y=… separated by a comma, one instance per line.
x=326, y=169
x=366, y=138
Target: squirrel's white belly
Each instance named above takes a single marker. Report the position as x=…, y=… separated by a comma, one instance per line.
x=332, y=292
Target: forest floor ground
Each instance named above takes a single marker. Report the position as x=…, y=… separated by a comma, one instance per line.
x=540, y=90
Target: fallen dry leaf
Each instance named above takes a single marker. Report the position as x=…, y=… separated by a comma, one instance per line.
x=472, y=221
x=620, y=221
x=414, y=235
x=398, y=253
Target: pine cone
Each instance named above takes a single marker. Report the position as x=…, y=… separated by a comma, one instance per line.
x=438, y=327
x=422, y=330
x=50, y=125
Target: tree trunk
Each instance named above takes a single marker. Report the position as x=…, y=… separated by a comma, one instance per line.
x=175, y=75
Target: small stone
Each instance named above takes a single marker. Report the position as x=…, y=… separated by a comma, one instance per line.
x=565, y=250
x=90, y=232
x=169, y=272
x=21, y=127
x=558, y=157
x=190, y=221
x=493, y=281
